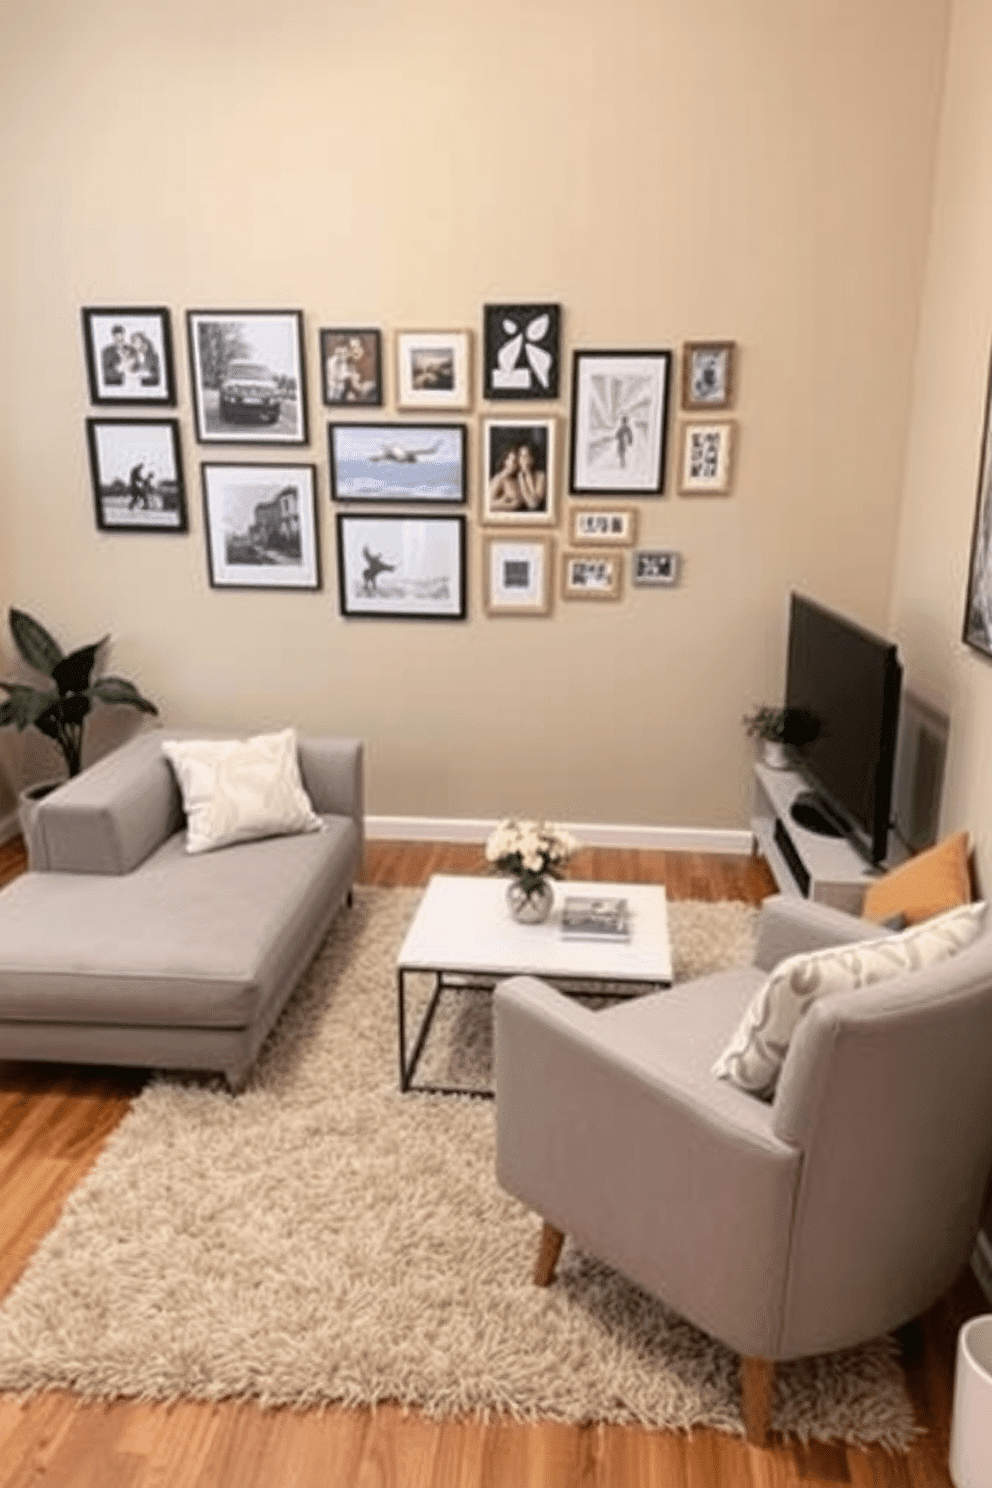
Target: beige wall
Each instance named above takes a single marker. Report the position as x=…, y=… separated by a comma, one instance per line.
x=931, y=571
x=666, y=169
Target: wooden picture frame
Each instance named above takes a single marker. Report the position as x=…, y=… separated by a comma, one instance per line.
x=589, y=574
x=409, y=463
x=260, y=523
x=602, y=526
x=619, y=422
x=706, y=456
x=519, y=485
x=351, y=366
x=654, y=568
x=128, y=354
x=401, y=567
x=247, y=370
x=136, y=471
x=517, y=574
x=433, y=369
x=708, y=375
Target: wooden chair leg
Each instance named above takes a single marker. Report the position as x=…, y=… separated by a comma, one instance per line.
x=757, y=1389
x=547, y=1255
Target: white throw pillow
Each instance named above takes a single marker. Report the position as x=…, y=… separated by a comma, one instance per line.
x=755, y=1055
x=235, y=790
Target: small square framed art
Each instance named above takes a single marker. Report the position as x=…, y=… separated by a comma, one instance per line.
x=707, y=457
x=519, y=472
x=137, y=475
x=433, y=369
x=619, y=422
x=397, y=462
x=516, y=575
x=261, y=526
x=129, y=355
x=656, y=569
x=401, y=567
x=351, y=367
x=708, y=375
x=591, y=575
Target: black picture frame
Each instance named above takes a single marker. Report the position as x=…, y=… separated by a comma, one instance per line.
x=411, y=463
x=351, y=369
x=401, y=566
x=128, y=353
x=977, y=629
x=248, y=374
x=136, y=471
x=260, y=525
x=521, y=352
x=619, y=425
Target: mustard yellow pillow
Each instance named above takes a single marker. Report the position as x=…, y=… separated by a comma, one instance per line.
x=928, y=884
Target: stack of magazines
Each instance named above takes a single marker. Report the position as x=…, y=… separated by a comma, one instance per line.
x=584, y=917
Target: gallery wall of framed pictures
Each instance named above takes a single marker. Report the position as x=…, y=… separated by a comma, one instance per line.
x=517, y=474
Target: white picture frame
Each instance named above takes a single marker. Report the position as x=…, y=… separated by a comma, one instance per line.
x=433, y=369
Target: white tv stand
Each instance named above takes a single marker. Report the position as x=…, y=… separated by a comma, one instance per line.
x=827, y=869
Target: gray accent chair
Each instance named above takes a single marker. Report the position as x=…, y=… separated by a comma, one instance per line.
x=119, y=947
x=831, y=1215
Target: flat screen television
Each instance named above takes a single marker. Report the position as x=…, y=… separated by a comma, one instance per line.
x=842, y=691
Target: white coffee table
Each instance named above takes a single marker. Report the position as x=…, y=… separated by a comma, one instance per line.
x=464, y=936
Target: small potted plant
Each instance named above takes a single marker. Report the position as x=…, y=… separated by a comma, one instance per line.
x=768, y=724
x=60, y=710
x=531, y=852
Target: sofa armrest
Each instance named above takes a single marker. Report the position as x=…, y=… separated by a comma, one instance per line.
x=333, y=776
x=682, y=1185
x=789, y=926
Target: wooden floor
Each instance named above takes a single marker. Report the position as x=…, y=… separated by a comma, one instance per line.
x=52, y=1124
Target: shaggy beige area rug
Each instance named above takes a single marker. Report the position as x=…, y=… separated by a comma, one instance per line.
x=320, y=1238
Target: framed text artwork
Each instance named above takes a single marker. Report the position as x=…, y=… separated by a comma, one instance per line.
x=137, y=475
x=521, y=351
x=601, y=526
x=248, y=376
x=261, y=526
x=397, y=462
x=401, y=567
x=619, y=421
x=129, y=355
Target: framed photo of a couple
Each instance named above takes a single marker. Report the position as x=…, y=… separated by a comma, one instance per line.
x=351, y=367
x=129, y=355
x=519, y=483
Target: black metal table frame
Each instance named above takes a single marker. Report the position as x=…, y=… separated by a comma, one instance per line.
x=451, y=980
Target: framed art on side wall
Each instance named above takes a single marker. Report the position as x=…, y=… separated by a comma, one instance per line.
x=401, y=567
x=137, y=475
x=397, y=462
x=129, y=355
x=261, y=526
x=978, y=605
x=619, y=421
x=248, y=376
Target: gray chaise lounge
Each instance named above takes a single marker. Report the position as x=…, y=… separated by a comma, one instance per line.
x=118, y=947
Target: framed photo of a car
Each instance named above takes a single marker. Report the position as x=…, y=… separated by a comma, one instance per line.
x=247, y=371
x=129, y=355
x=261, y=526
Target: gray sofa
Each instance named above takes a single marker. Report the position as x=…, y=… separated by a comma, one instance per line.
x=119, y=947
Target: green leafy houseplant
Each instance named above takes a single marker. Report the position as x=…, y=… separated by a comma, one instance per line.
x=60, y=710
x=766, y=723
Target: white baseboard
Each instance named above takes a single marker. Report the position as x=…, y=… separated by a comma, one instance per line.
x=589, y=834
x=981, y=1263
x=9, y=826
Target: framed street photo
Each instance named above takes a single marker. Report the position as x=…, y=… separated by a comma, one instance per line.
x=598, y=526
x=619, y=421
x=978, y=606
x=516, y=575
x=433, y=369
x=654, y=569
x=519, y=485
x=591, y=575
x=351, y=367
x=397, y=462
x=137, y=475
x=401, y=567
x=261, y=526
x=129, y=355
x=248, y=376
x=708, y=374
x=707, y=456
x=521, y=351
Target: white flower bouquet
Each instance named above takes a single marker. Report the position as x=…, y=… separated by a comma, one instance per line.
x=530, y=851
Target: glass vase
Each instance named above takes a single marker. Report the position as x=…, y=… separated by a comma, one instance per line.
x=530, y=906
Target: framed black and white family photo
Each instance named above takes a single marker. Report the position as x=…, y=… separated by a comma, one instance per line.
x=619, y=421
x=397, y=462
x=261, y=526
x=129, y=355
x=401, y=567
x=351, y=367
x=137, y=475
x=521, y=351
x=247, y=370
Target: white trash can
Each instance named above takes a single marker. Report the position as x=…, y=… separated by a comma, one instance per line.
x=971, y=1415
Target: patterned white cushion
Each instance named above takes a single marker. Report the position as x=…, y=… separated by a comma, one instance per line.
x=756, y=1053
x=235, y=790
